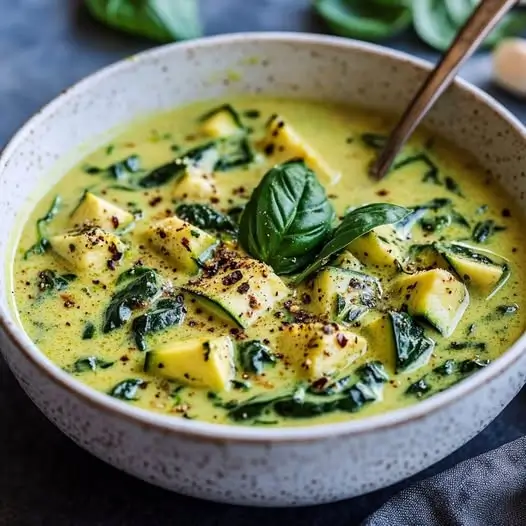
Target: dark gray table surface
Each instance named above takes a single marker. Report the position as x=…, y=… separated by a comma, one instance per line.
x=46, y=45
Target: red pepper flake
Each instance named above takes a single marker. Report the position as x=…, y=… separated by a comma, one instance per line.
x=253, y=302
x=115, y=221
x=243, y=288
x=124, y=358
x=162, y=233
x=306, y=298
x=341, y=339
x=232, y=278
x=186, y=243
x=155, y=201
x=506, y=212
x=72, y=247
x=383, y=192
x=328, y=329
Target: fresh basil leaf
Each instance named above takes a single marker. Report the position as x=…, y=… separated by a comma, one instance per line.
x=166, y=313
x=413, y=347
x=365, y=19
x=133, y=296
x=42, y=243
x=355, y=224
x=253, y=355
x=287, y=218
x=206, y=218
x=162, y=20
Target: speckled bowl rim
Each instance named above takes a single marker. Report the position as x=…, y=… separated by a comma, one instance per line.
x=239, y=433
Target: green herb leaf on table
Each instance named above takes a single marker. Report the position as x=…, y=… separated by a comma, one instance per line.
x=287, y=218
x=365, y=19
x=162, y=20
x=166, y=313
x=355, y=224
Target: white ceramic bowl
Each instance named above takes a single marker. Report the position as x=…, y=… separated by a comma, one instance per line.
x=247, y=465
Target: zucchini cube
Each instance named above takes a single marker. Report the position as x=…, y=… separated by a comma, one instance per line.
x=435, y=295
x=377, y=248
x=94, y=211
x=343, y=295
x=200, y=362
x=282, y=143
x=180, y=243
x=317, y=350
x=92, y=250
x=221, y=122
x=240, y=291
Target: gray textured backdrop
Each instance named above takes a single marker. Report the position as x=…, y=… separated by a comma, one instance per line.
x=46, y=45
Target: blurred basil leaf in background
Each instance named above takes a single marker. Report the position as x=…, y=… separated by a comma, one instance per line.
x=436, y=22
x=162, y=20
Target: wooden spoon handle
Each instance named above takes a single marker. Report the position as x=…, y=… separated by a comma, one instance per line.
x=482, y=21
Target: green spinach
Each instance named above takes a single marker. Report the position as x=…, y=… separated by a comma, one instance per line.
x=136, y=294
x=127, y=389
x=49, y=280
x=206, y=218
x=91, y=363
x=166, y=313
x=162, y=20
x=287, y=219
x=412, y=346
x=485, y=229
x=253, y=355
x=89, y=331
x=42, y=243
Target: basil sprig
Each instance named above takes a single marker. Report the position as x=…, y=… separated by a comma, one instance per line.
x=287, y=219
x=162, y=20
x=436, y=22
x=355, y=224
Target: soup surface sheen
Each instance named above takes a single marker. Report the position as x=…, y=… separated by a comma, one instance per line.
x=142, y=295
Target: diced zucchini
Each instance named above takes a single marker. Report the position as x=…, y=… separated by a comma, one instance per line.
x=344, y=295
x=89, y=250
x=242, y=290
x=201, y=362
x=477, y=269
x=94, y=211
x=435, y=295
x=425, y=257
x=347, y=261
x=282, y=143
x=378, y=248
x=180, y=243
x=234, y=151
x=318, y=350
x=221, y=122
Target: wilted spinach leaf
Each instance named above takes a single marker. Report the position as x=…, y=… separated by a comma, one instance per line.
x=42, y=243
x=91, y=363
x=89, y=331
x=485, y=229
x=166, y=313
x=49, y=280
x=253, y=355
x=127, y=389
x=206, y=218
x=133, y=296
x=412, y=346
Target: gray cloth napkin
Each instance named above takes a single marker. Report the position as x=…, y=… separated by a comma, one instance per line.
x=488, y=490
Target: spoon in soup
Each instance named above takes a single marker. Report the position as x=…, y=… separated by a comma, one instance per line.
x=485, y=17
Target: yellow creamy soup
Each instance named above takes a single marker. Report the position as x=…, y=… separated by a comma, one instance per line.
x=233, y=262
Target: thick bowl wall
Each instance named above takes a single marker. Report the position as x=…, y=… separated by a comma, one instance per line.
x=234, y=464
